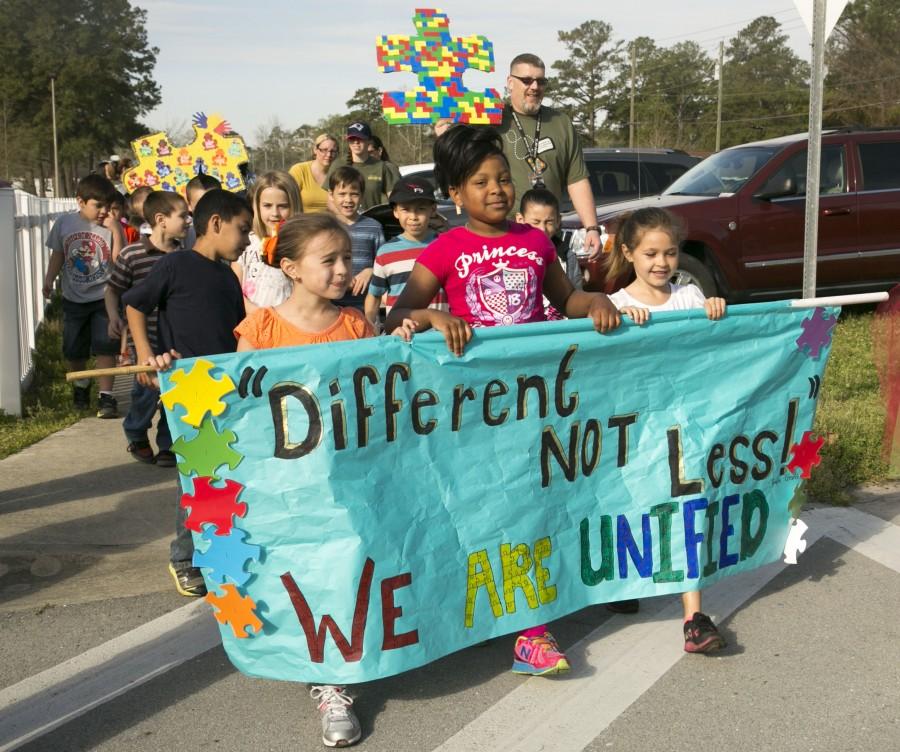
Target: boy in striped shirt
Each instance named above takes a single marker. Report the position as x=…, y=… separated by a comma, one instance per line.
x=167, y=215
x=412, y=200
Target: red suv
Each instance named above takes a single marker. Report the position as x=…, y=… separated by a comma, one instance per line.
x=743, y=210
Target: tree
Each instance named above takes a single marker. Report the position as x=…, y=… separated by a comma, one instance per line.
x=580, y=85
x=674, y=95
x=863, y=83
x=766, y=86
x=365, y=105
x=97, y=52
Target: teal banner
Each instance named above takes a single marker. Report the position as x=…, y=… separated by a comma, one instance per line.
x=363, y=508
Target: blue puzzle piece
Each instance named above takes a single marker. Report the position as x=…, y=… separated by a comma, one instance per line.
x=226, y=555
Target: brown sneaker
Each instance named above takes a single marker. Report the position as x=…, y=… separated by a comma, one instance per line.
x=141, y=451
x=188, y=579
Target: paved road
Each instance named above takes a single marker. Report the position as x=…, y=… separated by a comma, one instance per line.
x=100, y=653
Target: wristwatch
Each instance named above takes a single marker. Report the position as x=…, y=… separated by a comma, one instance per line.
x=592, y=228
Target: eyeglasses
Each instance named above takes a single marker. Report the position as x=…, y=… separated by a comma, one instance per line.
x=528, y=80
x=326, y=151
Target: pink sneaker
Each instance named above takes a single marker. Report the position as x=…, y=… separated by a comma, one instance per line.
x=538, y=656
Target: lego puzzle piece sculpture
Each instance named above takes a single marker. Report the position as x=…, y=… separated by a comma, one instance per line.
x=439, y=60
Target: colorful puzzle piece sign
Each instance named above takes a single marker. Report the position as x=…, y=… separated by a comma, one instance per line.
x=214, y=151
x=393, y=504
x=439, y=60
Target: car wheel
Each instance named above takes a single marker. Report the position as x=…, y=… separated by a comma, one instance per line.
x=691, y=271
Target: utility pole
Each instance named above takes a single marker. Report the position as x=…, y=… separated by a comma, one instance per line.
x=814, y=149
x=719, y=71
x=55, y=146
x=631, y=115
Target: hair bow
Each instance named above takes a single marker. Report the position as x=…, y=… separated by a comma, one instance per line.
x=270, y=245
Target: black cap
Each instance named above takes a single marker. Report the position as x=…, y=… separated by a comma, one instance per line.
x=411, y=189
x=359, y=130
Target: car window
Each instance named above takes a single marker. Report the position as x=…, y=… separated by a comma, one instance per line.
x=724, y=172
x=663, y=174
x=610, y=179
x=832, y=172
x=880, y=165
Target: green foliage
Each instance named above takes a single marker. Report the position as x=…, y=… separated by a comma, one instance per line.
x=580, y=84
x=850, y=414
x=97, y=52
x=863, y=83
x=765, y=83
x=674, y=96
x=47, y=405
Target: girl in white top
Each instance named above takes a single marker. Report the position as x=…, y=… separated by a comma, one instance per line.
x=647, y=241
x=275, y=198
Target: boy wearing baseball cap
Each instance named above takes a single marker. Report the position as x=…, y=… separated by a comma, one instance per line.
x=379, y=177
x=412, y=200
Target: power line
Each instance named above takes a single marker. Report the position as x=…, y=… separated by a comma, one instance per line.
x=722, y=26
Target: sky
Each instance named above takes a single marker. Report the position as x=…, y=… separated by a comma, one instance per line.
x=295, y=62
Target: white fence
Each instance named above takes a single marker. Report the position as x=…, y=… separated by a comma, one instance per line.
x=25, y=222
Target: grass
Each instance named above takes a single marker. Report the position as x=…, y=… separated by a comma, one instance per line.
x=47, y=405
x=850, y=413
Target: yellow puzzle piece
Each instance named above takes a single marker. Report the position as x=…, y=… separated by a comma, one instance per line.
x=214, y=151
x=198, y=392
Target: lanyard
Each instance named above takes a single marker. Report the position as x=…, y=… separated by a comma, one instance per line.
x=534, y=163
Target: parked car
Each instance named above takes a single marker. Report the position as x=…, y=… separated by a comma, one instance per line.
x=614, y=174
x=744, y=207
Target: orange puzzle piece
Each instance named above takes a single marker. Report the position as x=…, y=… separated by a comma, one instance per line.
x=235, y=609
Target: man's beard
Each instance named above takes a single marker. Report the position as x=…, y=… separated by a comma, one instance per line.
x=530, y=107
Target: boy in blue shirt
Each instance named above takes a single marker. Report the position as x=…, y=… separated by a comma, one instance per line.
x=200, y=302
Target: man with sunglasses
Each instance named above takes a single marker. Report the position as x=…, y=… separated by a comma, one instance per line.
x=542, y=146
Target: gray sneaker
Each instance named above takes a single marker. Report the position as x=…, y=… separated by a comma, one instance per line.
x=340, y=727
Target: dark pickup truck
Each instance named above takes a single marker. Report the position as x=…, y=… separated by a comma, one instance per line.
x=743, y=211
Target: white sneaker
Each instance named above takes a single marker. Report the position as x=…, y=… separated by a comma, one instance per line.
x=340, y=727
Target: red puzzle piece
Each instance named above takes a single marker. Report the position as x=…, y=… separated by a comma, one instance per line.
x=235, y=609
x=217, y=505
x=806, y=454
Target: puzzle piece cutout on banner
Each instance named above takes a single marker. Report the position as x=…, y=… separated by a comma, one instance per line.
x=795, y=544
x=797, y=502
x=198, y=392
x=164, y=167
x=236, y=610
x=207, y=451
x=226, y=556
x=216, y=505
x=806, y=454
x=816, y=333
x=439, y=61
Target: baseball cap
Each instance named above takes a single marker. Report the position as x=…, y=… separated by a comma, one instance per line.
x=359, y=130
x=411, y=189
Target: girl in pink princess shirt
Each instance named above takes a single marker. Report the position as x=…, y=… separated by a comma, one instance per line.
x=495, y=273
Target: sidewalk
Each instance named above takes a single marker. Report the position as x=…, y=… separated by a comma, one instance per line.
x=83, y=553
x=85, y=530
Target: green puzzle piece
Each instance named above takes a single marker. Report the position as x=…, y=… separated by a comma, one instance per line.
x=797, y=502
x=207, y=451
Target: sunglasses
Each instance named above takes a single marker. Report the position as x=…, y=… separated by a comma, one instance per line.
x=528, y=80
x=326, y=151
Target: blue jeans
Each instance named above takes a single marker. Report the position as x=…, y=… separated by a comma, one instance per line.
x=181, y=549
x=144, y=405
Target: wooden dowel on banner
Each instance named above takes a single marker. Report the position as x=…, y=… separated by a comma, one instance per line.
x=118, y=371
x=841, y=300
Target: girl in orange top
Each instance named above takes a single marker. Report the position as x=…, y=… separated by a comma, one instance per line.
x=313, y=250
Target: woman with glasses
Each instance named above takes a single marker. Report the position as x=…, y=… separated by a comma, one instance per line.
x=312, y=176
